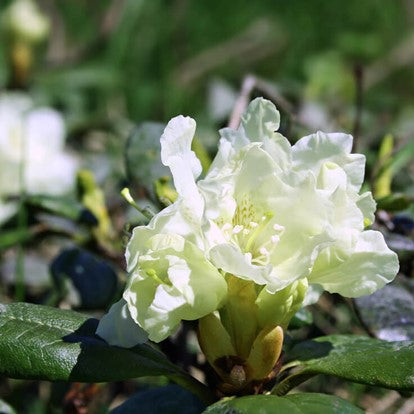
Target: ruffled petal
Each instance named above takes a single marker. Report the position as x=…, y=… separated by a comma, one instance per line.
x=356, y=267
x=313, y=151
x=261, y=120
x=173, y=281
x=184, y=165
x=231, y=260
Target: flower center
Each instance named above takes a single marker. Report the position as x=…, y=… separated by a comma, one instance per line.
x=256, y=234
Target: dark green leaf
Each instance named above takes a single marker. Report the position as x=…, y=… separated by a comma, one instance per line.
x=63, y=206
x=354, y=358
x=293, y=404
x=388, y=313
x=53, y=344
x=394, y=202
x=143, y=156
x=93, y=279
x=39, y=342
x=171, y=399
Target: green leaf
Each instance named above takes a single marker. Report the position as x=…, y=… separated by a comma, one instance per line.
x=388, y=313
x=394, y=202
x=93, y=279
x=10, y=238
x=62, y=206
x=93, y=198
x=353, y=358
x=382, y=184
x=306, y=403
x=143, y=157
x=171, y=399
x=39, y=342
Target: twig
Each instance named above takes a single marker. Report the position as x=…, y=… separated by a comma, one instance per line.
x=248, y=85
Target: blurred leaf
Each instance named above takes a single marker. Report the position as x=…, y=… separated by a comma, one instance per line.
x=395, y=162
x=353, y=358
x=6, y=408
x=399, y=243
x=171, y=399
x=403, y=224
x=402, y=157
x=388, y=313
x=382, y=184
x=39, y=342
x=93, y=199
x=63, y=206
x=201, y=153
x=305, y=403
x=143, y=157
x=301, y=318
x=360, y=47
x=164, y=191
x=394, y=202
x=12, y=237
x=93, y=279
x=329, y=78
x=34, y=266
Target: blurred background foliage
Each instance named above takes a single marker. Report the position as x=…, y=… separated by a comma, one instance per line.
x=118, y=70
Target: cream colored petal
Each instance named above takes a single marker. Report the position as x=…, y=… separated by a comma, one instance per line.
x=359, y=267
x=118, y=328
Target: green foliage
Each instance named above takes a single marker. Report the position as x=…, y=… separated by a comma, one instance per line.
x=353, y=358
x=111, y=65
x=294, y=404
x=60, y=345
x=143, y=158
x=54, y=344
x=62, y=206
x=14, y=236
x=382, y=185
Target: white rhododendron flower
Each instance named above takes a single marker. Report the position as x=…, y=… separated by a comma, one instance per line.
x=268, y=213
x=32, y=142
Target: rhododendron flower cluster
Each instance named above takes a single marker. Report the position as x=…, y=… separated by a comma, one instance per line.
x=243, y=244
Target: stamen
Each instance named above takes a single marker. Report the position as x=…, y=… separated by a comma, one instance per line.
x=246, y=232
x=152, y=273
x=237, y=229
x=265, y=220
x=278, y=227
x=253, y=224
x=275, y=238
x=264, y=251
